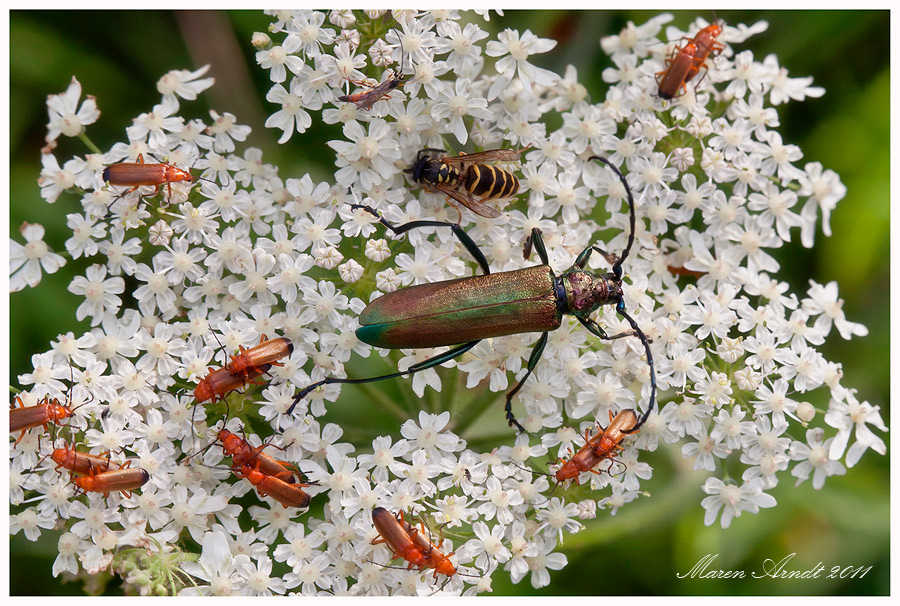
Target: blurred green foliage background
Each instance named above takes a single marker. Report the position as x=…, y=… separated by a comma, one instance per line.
x=118, y=57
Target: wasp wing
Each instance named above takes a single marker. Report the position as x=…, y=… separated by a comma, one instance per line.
x=490, y=155
x=473, y=204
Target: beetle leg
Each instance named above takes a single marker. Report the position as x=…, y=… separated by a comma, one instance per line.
x=597, y=330
x=705, y=72
x=536, y=354
x=424, y=365
x=536, y=240
x=462, y=236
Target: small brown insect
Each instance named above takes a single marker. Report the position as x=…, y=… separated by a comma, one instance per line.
x=365, y=99
x=220, y=382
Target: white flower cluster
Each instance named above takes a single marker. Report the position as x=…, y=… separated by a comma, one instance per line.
x=246, y=254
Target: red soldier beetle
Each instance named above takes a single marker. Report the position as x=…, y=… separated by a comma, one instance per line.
x=122, y=480
x=407, y=542
x=434, y=558
x=220, y=382
x=82, y=463
x=289, y=495
x=139, y=174
x=392, y=532
x=267, y=353
x=365, y=99
x=47, y=411
x=689, y=60
x=683, y=271
x=677, y=71
x=707, y=45
x=601, y=446
x=242, y=453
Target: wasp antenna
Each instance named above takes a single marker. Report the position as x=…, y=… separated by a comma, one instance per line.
x=617, y=267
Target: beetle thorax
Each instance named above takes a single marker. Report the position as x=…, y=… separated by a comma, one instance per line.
x=586, y=291
x=174, y=174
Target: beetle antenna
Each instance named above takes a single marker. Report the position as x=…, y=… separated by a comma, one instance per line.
x=617, y=266
x=640, y=334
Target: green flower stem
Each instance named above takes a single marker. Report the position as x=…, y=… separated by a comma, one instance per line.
x=451, y=386
x=382, y=400
x=470, y=412
x=89, y=144
x=667, y=505
x=357, y=434
x=488, y=443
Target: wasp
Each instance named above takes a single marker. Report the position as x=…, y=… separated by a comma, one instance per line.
x=466, y=178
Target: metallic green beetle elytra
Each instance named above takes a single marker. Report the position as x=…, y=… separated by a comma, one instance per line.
x=456, y=311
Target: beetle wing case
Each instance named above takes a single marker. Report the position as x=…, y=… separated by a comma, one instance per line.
x=461, y=310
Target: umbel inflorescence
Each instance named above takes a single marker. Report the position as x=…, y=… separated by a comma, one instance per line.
x=247, y=252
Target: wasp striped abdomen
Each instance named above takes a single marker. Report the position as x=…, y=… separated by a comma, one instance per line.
x=491, y=182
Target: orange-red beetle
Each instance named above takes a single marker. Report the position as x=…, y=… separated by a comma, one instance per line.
x=434, y=558
x=601, y=446
x=689, y=60
x=289, y=495
x=392, y=532
x=138, y=174
x=268, y=352
x=677, y=71
x=683, y=271
x=123, y=480
x=47, y=411
x=706, y=44
x=82, y=463
x=220, y=382
x=242, y=453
